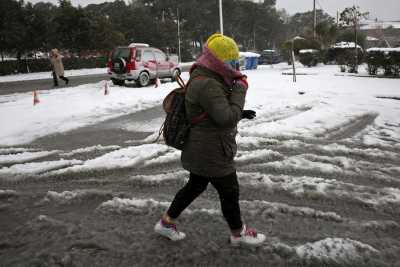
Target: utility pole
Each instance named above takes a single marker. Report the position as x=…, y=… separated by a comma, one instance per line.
x=293, y=59
x=179, y=36
x=356, y=38
x=315, y=21
x=221, y=22
x=337, y=18
x=254, y=39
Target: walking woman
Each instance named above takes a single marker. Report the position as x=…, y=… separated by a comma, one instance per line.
x=58, y=67
x=218, y=89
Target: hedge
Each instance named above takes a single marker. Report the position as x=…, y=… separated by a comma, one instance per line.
x=346, y=59
x=344, y=55
x=309, y=57
x=42, y=65
x=385, y=59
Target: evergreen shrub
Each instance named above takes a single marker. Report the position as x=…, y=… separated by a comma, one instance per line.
x=384, y=59
x=309, y=57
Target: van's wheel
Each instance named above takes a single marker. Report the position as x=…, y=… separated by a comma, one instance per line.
x=118, y=82
x=144, y=79
x=175, y=74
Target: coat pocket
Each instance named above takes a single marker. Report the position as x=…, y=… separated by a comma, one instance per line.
x=228, y=144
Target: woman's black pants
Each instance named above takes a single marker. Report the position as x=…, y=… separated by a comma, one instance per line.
x=55, y=79
x=227, y=188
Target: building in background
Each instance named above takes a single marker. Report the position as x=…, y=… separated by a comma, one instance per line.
x=381, y=33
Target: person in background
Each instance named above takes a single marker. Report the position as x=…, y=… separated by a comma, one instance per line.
x=218, y=89
x=58, y=67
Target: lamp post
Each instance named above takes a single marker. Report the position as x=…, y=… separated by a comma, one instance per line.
x=356, y=41
x=179, y=36
x=221, y=22
x=294, y=68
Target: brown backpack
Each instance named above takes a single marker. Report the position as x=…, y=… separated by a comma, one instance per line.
x=176, y=126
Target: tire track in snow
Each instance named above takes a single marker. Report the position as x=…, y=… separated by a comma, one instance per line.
x=320, y=188
x=350, y=128
x=277, y=115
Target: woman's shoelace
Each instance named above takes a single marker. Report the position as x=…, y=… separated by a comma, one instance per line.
x=251, y=232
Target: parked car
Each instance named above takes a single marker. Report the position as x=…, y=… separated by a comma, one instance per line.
x=269, y=57
x=140, y=63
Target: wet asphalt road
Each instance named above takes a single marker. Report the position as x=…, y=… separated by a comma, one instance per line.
x=47, y=84
x=106, y=217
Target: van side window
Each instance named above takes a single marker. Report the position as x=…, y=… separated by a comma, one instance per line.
x=138, y=55
x=147, y=56
x=160, y=56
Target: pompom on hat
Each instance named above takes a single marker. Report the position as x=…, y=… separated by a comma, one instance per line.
x=223, y=47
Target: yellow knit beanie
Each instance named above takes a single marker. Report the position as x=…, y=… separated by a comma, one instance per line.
x=223, y=47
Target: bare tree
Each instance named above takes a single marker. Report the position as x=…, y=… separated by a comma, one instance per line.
x=350, y=17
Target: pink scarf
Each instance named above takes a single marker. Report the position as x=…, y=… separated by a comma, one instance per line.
x=209, y=61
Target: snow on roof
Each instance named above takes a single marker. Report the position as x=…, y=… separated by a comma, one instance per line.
x=345, y=45
x=249, y=54
x=383, y=49
x=138, y=44
x=372, y=25
x=304, y=51
x=370, y=38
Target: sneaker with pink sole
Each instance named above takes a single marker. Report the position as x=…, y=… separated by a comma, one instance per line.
x=168, y=231
x=248, y=237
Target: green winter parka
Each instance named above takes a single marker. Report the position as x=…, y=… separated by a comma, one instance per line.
x=211, y=146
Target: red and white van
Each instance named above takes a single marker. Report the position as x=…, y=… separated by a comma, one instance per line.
x=140, y=63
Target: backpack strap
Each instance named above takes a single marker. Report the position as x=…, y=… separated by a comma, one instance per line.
x=199, y=118
x=180, y=81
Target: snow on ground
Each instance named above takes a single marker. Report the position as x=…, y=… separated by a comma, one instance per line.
x=318, y=170
x=160, y=177
x=70, y=108
x=12, y=150
x=89, y=149
x=272, y=208
x=25, y=156
x=149, y=126
x=264, y=154
x=122, y=158
x=121, y=205
x=37, y=167
x=48, y=75
x=317, y=187
x=329, y=103
x=329, y=107
x=338, y=250
x=333, y=103
x=125, y=204
x=67, y=197
x=329, y=250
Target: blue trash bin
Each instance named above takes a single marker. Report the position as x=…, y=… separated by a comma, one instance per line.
x=249, y=63
x=254, y=63
x=250, y=60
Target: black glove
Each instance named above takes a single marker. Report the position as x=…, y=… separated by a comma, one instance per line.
x=248, y=114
